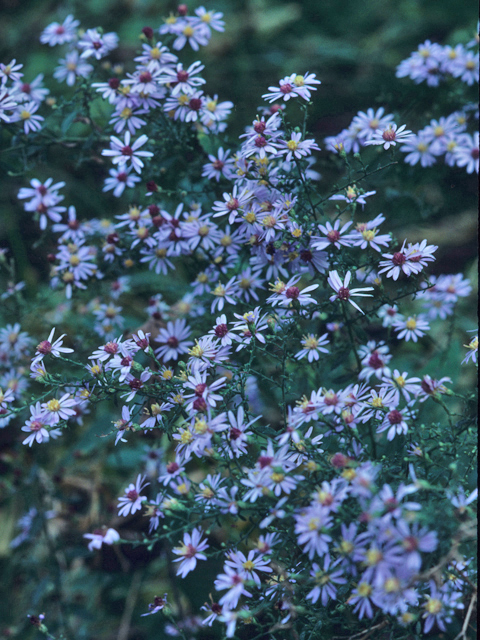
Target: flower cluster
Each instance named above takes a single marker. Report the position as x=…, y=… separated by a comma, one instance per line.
x=287, y=445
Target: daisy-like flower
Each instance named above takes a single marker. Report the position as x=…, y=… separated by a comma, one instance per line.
x=119, y=180
x=412, y=328
x=296, y=147
x=390, y=136
x=288, y=295
x=325, y=580
x=333, y=236
x=439, y=606
x=96, y=44
x=57, y=33
x=472, y=350
x=157, y=605
x=466, y=153
x=293, y=86
x=122, y=152
x=56, y=410
x=342, y=292
x=248, y=565
x=367, y=123
x=25, y=113
x=394, y=423
x=72, y=67
x=190, y=550
x=174, y=340
x=37, y=425
x=234, y=582
x=353, y=195
x=47, y=346
x=219, y=165
x=312, y=346
x=131, y=502
x=401, y=383
x=101, y=536
x=400, y=261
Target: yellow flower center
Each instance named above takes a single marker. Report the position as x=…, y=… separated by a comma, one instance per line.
x=411, y=323
x=364, y=589
x=248, y=565
x=292, y=145
x=433, y=606
x=188, y=31
x=53, y=405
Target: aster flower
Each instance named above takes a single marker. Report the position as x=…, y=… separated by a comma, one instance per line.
x=325, y=580
x=48, y=347
x=390, y=136
x=412, y=328
x=56, y=410
x=101, y=536
x=293, y=86
x=472, y=351
x=131, y=502
x=72, y=67
x=342, y=292
x=25, y=113
x=439, y=606
x=296, y=147
x=333, y=236
x=57, y=33
x=312, y=346
x=38, y=426
x=157, y=605
x=190, y=551
x=288, y=295
x=173, y=339
x=234, y=582
x=394, y=423
x=122, y=152
x=96, y=44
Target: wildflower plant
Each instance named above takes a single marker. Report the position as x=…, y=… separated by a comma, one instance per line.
x=262, y=423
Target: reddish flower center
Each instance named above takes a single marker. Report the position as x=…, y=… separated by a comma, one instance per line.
x=260, y=141
x=145, y=77
x=127, y=151
x=172, y=467
x=195, y=104
x=395, y=417
x=172, y=342
x=399, y=259
x=218, y=165
x=475, y=153
x=343, y=293
x=292, y=293
x=232, y=204
x=333, y=235
x=59, y=30
x=265, y=461
x=132, y=495
x=135, y=384
x=375, y=362
x=259, y=127
x=235, y=433
x=410, y=543
x=111, y=348
x=122, y=176
x=44, y=347
x=389, y=135
x=182, y=76
x=35, y=425
x=114, y=83
x=286, y=88
x=200, y=405
x=126, y=361
x=200, y=388
x=26, y=88
x=73, y=224
x=221, y=330
x=96, y=45
x=306, y=255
